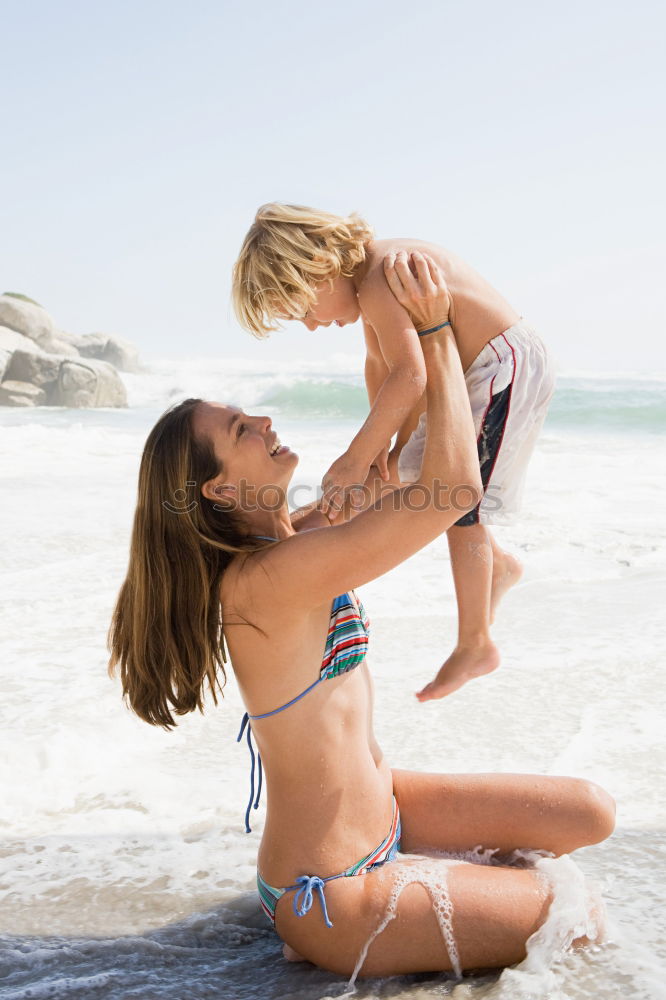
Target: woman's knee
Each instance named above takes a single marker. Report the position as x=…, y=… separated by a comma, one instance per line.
x=596, y=809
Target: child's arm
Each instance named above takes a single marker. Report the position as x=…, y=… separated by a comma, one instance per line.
x=402, y=365
x=376, y=372
x=392, y=341
x=376, y=369
x=398, y=347
x=308, y=517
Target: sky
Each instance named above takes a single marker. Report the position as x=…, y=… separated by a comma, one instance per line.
x=528, y=137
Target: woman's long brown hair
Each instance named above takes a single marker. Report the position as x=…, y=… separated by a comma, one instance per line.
x=166, y=633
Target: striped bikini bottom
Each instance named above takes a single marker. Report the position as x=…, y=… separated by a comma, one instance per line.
x=306, y=886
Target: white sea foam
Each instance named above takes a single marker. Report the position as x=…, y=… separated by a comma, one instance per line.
x=432, y=875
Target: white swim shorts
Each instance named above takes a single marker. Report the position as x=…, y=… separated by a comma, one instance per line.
x=510, y=384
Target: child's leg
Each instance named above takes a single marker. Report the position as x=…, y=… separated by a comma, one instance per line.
x=475, y=653
x=482, y=574
x=510, y=384
x=507, y=570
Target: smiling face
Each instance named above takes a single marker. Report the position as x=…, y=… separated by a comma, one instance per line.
x=336, y=303
x=252, y=458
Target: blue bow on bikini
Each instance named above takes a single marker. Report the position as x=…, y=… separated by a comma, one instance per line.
x=303, y=899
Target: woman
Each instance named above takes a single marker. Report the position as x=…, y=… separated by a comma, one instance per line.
x=336, y=813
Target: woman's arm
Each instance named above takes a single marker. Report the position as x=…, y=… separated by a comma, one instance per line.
x=317, y=565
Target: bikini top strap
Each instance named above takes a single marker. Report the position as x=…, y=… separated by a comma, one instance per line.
x=254, y=798
x=288, y=704
x=253, y=802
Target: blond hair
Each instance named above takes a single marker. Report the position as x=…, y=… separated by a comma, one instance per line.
x=288, y=250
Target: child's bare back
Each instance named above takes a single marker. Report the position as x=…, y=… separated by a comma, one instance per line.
x=478, y=312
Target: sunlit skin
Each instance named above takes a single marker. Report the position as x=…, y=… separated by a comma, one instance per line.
x=483, y=572
x=243, y=444
x=337, y=304
x=330, y=785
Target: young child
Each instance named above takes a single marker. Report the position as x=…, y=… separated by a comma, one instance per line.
x=300, y=263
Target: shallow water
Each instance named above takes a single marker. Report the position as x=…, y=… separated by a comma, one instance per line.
x=124, y=871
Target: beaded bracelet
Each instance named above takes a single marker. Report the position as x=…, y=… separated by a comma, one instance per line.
x=433, y=329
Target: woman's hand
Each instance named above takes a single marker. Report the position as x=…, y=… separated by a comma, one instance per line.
x=419, y=286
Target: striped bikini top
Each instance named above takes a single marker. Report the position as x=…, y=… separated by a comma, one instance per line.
x=346, y=646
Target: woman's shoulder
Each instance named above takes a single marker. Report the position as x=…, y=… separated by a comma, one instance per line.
x=259, y=581
x=231, y=582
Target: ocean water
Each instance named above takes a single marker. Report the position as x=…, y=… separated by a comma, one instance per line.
x=124, y=868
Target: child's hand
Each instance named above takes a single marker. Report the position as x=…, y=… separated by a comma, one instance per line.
x=339, y=482
x=381, y=462
x=418, y=284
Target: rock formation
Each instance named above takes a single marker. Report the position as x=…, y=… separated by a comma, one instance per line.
x=41, y=364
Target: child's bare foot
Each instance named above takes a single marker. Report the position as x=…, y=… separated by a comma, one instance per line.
x=506, y=571
x=464, y=663
x=290, y=954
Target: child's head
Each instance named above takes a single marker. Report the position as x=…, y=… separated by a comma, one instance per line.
x=288, y=252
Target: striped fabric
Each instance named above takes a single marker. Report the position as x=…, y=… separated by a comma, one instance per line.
x=381, y=855
x=347, y=639
x=386, y=851
x=268, y=897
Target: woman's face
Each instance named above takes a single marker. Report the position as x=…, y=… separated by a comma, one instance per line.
x=251, y=456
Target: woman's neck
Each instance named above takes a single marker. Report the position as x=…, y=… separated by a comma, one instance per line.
x=271, y=524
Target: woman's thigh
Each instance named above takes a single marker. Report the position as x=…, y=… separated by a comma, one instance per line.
x=457, y=812
x=491, y=912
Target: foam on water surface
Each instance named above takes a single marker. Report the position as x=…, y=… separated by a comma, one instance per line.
x=576, y=914
x=432, y=875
